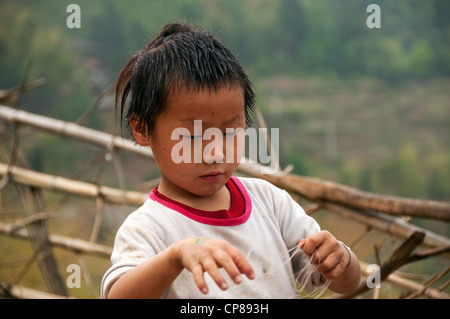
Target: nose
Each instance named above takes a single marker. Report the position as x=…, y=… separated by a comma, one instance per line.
x=213, y=152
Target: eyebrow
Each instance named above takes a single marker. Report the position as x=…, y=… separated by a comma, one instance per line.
x=235, y=118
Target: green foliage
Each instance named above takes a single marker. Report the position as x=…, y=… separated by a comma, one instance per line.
x=338, y=69
x=389, y=138
x=284, y=36
x=405, y=170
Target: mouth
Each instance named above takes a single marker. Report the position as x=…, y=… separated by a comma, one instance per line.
x=212, y=177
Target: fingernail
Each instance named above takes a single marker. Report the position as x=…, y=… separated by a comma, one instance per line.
x=238, y=279
x=224, y=286
x=204, y=290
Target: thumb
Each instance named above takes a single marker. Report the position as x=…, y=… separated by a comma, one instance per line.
x=302, y=243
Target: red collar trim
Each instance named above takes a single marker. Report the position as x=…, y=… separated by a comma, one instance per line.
x=238, y=213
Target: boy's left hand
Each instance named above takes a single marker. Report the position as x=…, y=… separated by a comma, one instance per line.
x=331, y=257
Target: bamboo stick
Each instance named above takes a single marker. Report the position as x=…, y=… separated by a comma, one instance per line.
x=20, y=292
x=33, y=202
x=407, y=284
x=71, y=130
x=68, y=243
x=397, y=259
x=391, y=225
x=320, y=190
x=74, y=187
x=312, y=188
x=404, y=283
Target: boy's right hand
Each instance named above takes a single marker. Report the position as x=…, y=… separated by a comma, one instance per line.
x=200, y=254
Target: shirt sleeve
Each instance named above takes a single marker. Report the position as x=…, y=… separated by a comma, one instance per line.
x=295, y=224
x=133, y=245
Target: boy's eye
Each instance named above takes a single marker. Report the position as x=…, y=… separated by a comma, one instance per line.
x=233, y=132
x=192, y=137
x=228, y=133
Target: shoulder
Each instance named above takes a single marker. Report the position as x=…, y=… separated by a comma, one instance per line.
x=148, y=221
x=293, y=221
x=262, y=190
x=149, y=211
x=266, y=197
x=258, y=185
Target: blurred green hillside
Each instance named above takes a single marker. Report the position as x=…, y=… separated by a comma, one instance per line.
x=366, y=107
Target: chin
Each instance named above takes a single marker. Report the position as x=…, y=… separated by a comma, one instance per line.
x=208, y=190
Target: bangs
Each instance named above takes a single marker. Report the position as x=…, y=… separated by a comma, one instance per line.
x=186, y=58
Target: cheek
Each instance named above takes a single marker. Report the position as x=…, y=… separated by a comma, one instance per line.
x=168, y=159
x=161, y=150
x=234, y=147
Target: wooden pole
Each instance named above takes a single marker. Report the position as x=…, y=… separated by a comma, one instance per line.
x=71, y=130
x=312, y=188
x=74, y=187
x=319, y=190
x=20, y=292
x=69, y=243
x=399, y=281
x=385, y=223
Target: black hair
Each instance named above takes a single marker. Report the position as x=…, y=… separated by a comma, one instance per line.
x=179, y=56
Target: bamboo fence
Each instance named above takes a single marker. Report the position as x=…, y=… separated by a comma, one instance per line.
x=375, y=211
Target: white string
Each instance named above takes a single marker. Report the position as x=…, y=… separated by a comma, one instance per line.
x=305, y=274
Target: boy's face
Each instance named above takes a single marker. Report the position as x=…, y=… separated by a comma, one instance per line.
x=193, y=138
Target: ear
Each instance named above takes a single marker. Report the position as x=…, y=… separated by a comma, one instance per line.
x=140, y=135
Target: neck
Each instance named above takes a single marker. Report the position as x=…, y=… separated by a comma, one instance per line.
x=216, y=201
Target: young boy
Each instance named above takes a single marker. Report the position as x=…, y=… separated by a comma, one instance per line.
x=201, y=229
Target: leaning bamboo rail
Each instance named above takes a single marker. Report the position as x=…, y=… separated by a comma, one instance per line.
x=71, y=130
x=74, y=187
x=409, y=285
x=14, y=291
x=42, y=249
x=385, y=223
x=312, y=188
x=81, y=246
x=319, y=190
x=399, y=281
x=388, y=224
x=75, y=245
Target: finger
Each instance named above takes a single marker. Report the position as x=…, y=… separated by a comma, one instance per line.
x=242, y=263
x=310, y=244
x=314, y=258
x=197, y=273
x=337, y=262
x=314, y=241
x=329, y=254
x=328, y=264
x=230, y=267
x=210, y=266
x=302, y=243
x=333, y=271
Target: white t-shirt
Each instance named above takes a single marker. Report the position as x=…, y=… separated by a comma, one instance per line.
x=271, y=225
